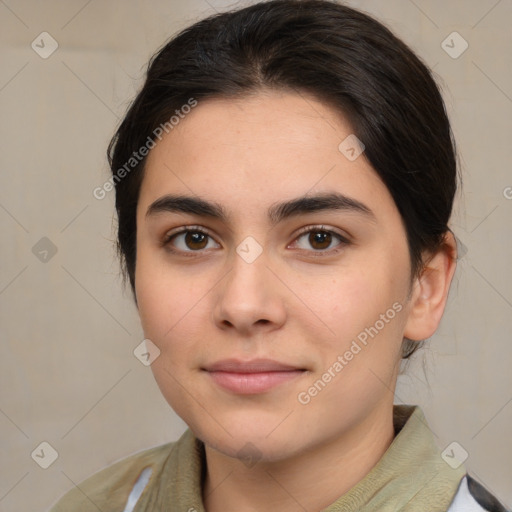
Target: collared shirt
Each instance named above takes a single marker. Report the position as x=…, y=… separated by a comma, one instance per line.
x=412, y=476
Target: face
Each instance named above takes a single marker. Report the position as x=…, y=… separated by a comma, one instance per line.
x=317, y=288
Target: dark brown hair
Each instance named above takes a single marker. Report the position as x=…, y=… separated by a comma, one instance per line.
x=341, y=56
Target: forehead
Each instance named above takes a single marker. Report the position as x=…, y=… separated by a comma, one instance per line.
x=251, y=152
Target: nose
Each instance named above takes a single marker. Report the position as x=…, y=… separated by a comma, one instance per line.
x=250, y=298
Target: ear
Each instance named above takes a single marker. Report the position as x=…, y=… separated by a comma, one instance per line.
x=430, y=291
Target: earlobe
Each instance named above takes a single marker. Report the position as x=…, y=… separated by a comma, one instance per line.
x=430, y=291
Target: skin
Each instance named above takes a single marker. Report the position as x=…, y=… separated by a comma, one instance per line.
x=289, y=304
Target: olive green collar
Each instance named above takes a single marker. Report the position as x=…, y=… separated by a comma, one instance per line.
x=411, y=476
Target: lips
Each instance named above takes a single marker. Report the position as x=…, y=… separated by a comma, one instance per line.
x=251, y=377
x=252, y=366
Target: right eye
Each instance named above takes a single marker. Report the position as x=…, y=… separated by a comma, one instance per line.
x=190, y=240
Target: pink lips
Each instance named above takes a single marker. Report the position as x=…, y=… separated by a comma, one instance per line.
x=251, y=377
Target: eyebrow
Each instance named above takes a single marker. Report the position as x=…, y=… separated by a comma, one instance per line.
x=276, y=213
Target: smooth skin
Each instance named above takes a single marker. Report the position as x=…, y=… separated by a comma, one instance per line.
x=301, y=302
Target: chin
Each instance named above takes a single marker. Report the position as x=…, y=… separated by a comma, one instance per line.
x=250, y=450
x=248, y=440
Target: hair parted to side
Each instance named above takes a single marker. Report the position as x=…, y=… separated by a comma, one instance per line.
x=341, y=56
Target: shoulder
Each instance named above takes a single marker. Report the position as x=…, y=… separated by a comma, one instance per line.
x=109, y=488
x=472, y=496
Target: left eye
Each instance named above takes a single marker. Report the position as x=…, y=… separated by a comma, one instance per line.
x=320, y=239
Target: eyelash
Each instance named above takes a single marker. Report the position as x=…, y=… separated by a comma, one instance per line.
x=343, y=241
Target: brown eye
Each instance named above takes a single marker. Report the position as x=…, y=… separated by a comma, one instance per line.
x=320, y=240
x=188, y=241
x=196, y=240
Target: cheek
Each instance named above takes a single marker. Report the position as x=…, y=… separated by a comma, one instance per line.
x=357, y=297
x=168, y=312
x=367, y=313
x=366, y=309
x=161, y=296
x=172, y=303
x=165, y=307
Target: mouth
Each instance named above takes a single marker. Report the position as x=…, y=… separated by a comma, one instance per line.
x=251, y=377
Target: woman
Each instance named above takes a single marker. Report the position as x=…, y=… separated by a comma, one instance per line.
x=284, y=182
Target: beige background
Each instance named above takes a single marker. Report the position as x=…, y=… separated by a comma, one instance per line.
x=68, y=375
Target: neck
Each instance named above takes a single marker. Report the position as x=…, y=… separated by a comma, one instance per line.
x=310, y=480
